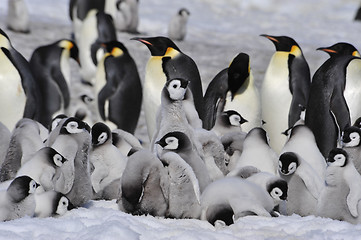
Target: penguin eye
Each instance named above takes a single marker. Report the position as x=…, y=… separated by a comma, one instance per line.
x=175, y=84
x=86, y=99
x=172, y=143
x=354, y=136
x=57, y=160
x=73, y=125
x=235, y=120
x=339, y=159
x=276, y=192
x=102, y=138
x=292, y=167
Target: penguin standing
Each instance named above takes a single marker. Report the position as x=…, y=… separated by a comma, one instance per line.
x=351, y=143
x=286, y=85
x=122, y=15
x=352, y=91
x=20, y=89
x=177, y=28
x=18, y=200
x=50, y=66
x=144, y=185
x=118, y=88
x=327, y=112
x=341, y=196
x=73, y=142
x=18, y=16
x=304, y=184
x=167, y=62
x=134, y=16
x=257, y=152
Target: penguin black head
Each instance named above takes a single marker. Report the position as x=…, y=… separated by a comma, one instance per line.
x=284, y=43
x=100, y=133
x=357, y=123
x=176, y=88
x=238, y=72
x=232, y=118
x=174, y=141
x=184, y=11
x=341, y=48
x=61, y=205
x=158, y=46
x=54, y=157
x=70, y=46
x=115, y=48
x=21, y=187
x=56, y=120
x=278, y=189
x=74, y=125
x=288, y=163
x=351, y=136
x=337, y=158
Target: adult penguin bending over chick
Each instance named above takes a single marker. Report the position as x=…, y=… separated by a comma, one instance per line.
x=327, y=112
x=21, y=90
x=50, y=65
x=118, y=88
x=167, y=62
x=285, y=86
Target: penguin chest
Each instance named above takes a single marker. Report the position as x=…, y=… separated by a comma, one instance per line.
x=11, y=93
x=65, y=66
x=352, y=92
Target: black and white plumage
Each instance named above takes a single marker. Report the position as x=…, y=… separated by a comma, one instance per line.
x=50, y=65
x=24, y=143
x=118, y=88
x=108, y=163
x=51, y=204
x=229, y=121
x=17, y=200
x=177, y=27
x=144, y=185
x=304, y=184
x=341, y=195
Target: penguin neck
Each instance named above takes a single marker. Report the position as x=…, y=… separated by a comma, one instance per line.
x=171, y=52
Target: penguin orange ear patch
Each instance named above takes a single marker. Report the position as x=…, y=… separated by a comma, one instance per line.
x=356, y=54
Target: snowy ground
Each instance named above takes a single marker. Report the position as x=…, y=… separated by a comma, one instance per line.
x=218, y=30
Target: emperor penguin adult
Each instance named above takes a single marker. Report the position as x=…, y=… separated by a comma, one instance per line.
x=21, y=89
x=44, y=166
x=17, y=200
x=230, y=198
x=167, y=62
x=177, y=27
x=302, y=141
x=304, y=184
x=51, y=204
x=257, y=152
x=73, y=142
x=351, y=143
x=327, y=113
x=144, y=185
x=97, y=27
x=235, y=86
x=180, y=143
x=286, y=85
x=118, y=88
x=353, y=71
x=25, y=141
x=50, y=65
x=106, y=159
x=18, y=16
x=340, y=199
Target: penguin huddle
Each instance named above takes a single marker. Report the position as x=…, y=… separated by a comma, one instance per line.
x=286, y=147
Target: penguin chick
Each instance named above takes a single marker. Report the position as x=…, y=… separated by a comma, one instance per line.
x=177, y=28
x=228, y=121
x=303, y=142
x=286, y=85
x=51, y=204
x=108, y=162
x=18, y=16
x=144, y=185
x=340, y=198
x=24, y=143
x=43, y=167
x=50, y=65
x=4, y=142
x=122, y=15
x=351, y=143
x=256, y=152
x=184, y=191
x=233, y=146
x=304, y=184
x=18, y=200
x=180, y=143
x=167, y=62
x=230, y=198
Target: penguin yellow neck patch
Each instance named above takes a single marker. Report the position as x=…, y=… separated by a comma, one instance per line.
x=356, y=54
x=117, y=52
x=295, y=50
x=171, y=52
x=66, y=44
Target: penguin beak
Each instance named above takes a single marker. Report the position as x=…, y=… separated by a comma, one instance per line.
x=326, y=50
x=273, y=39
x=70, y=206
x=142, y=40
x=243, y=121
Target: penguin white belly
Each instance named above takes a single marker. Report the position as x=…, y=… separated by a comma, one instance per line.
x=246, y=102
x=352, y=91
x=65, y=70
x=276, y=100
x=110, y=8
x=12, y=95
x=88, y=35
x=153, y=85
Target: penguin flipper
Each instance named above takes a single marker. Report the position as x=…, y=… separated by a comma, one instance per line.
x=63, y=86
x=340, y=110
x=311, y=179
x=103, y=96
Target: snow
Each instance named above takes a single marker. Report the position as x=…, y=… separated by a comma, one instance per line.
x=217, y=31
